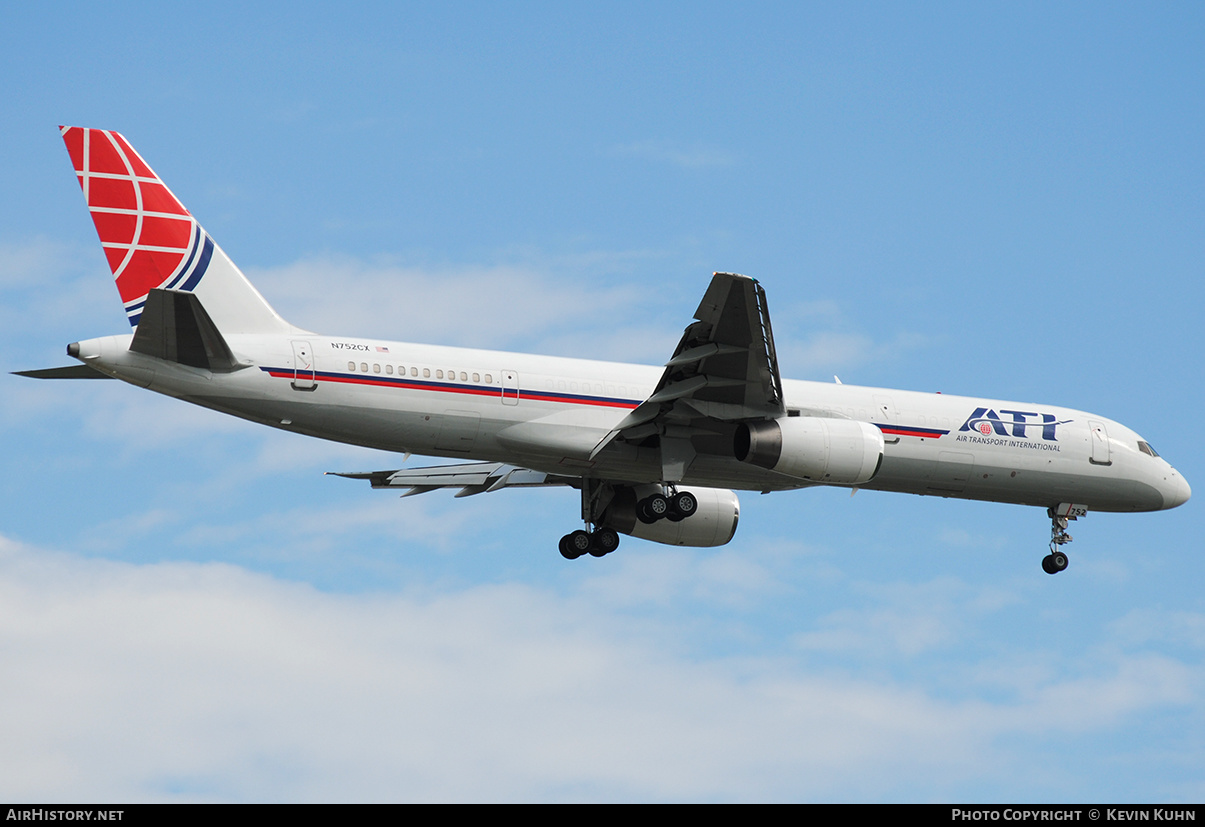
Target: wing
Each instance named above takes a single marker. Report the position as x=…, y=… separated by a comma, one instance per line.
x=470, y=477
x=724, y=370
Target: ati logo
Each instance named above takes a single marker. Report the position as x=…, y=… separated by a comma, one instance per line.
x=986, y=421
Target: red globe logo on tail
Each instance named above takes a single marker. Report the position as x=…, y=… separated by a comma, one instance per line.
x=149, y=238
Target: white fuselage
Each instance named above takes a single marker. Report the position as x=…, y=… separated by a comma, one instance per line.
x=549, y=414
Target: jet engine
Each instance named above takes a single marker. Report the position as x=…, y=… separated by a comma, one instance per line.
x=823, y=451
x=712, y=524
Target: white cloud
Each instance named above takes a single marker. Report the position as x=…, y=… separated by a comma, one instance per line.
x=57, y=290
x=593, y=304
x=1181, y=628
x=585, y=305
x=906, y=620
x=833, y=350
x=205, y=681
x=490, y=306
x=34, y=261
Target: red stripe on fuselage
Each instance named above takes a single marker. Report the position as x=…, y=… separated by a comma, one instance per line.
x=896, y=431
x=535, y=396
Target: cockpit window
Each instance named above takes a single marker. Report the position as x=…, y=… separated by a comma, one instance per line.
x=1147, y=449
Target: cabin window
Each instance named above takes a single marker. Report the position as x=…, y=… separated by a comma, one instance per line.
x=489, y=379
x=364, y=367
x=476, y=377
x=351, y=366
x=464, y=377
x=376, y=368
x=426, y=373
x=414, y=371
x=389, y=369
x=439, y=374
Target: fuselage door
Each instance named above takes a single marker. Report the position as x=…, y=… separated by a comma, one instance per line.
x=886, y=413
x=303, y=367
x=1100, y=444
x=886, y=408
x=510, y=387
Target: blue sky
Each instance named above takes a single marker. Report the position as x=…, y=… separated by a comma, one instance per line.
x=1002, y=200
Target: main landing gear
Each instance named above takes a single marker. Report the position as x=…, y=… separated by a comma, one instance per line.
x=1056, y=560
x=677, y=506
x=667, y=504
x=597, y=543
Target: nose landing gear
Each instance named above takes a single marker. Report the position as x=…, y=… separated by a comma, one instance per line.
x=1056, y=560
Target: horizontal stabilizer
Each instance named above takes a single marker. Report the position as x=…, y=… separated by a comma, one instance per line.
x=175, y=327
x=68, y=372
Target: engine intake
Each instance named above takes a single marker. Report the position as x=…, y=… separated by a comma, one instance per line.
x=819, y=450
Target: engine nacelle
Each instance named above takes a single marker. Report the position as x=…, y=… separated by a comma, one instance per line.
x=713, y=524
x=819, y=450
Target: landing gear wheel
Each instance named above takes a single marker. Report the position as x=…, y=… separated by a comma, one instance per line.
x=574, y=544
x=652, y=508
x=603, y=542
x=563, y=546
x=684, y=504
x=1054, y=562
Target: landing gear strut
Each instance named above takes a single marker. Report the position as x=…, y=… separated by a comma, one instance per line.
x=1056, y=560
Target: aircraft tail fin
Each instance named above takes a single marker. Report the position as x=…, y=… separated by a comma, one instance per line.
x=151, y=241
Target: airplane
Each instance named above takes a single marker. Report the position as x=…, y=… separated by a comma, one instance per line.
x=655, y=451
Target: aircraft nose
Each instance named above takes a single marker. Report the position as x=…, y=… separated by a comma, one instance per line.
x=1177, y=491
